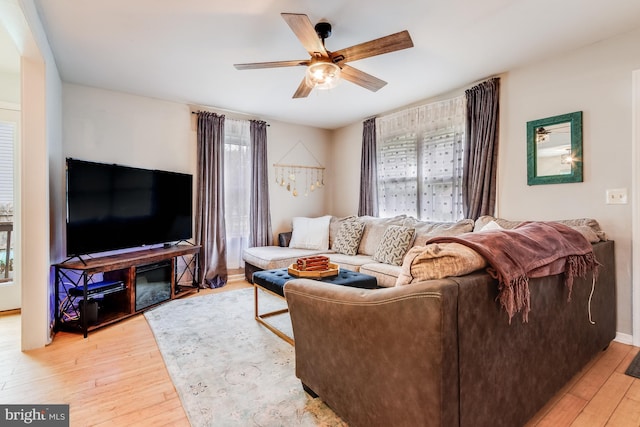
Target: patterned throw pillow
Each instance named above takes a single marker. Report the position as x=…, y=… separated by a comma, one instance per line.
x=348, y=238
x=395, y=243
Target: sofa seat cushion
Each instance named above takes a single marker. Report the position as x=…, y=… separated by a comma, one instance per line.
x=350, y=262
x=385, y=274
x=270, y=257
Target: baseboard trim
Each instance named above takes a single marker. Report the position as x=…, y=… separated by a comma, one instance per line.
x=235, y=278
x=624, y=338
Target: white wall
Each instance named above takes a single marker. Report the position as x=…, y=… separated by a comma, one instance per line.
x=114, y=127
x=346, y=154
x=293, y=144
x=10, y=87
x=595, y=80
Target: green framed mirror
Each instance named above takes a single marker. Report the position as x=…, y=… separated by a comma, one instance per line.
x=554, y=149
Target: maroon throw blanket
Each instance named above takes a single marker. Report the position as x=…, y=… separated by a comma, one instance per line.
x=532, y=249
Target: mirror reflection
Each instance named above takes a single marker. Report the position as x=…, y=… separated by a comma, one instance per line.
x=553, y=149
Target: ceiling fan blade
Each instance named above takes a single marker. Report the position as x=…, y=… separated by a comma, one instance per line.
x=361, y=78
x=306, y=33
x=390, y=43
x=303, y=90
x=276, y=64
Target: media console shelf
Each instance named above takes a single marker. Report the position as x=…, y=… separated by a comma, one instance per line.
x=99, y=291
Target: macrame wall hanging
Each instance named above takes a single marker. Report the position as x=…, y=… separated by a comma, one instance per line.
x=298, y=178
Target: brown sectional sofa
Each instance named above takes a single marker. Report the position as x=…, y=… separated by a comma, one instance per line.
x=271, y=257
x=442, y=352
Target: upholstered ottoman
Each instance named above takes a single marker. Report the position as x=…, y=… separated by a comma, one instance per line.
x=273, y=281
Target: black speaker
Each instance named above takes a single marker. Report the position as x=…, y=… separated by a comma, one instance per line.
x=89, y=309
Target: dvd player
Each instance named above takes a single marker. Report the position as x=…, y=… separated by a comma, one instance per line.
x=103, y=287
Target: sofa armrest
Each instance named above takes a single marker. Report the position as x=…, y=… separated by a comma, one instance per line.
x=284, y=239
x=382, y=356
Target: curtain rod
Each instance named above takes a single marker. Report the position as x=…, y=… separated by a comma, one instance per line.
x=196, y=112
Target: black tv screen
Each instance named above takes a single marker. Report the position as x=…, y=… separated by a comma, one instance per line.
x=113, y=207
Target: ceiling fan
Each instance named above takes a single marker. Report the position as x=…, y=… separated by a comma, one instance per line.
x=325, y=68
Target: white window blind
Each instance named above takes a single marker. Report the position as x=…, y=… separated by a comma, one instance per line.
x=237, y=188
x=7, y=137
x=420, y=157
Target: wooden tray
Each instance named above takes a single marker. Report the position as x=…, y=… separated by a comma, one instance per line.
x=333, y=270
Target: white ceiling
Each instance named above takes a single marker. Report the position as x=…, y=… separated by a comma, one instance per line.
x=184, y=50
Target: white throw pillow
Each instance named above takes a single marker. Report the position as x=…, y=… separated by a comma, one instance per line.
x=310, y=233
x=491, y=225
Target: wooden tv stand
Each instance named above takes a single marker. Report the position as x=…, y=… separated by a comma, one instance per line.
x=111, y=279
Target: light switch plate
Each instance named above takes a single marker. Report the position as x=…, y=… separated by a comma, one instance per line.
x=617, y=196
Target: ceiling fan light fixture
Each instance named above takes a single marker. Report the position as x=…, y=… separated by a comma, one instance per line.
x=322, y=75
x=323, y=71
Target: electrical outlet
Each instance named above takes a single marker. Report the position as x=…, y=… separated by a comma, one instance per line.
x=617, y=196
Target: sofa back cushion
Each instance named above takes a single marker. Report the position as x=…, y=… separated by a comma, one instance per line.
x=374, y=228
x=484, y=220
x=427, y=229
x=588, y=227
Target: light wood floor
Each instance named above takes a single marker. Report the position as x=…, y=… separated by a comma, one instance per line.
x=116, y=377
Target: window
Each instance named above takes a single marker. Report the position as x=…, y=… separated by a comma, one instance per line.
x=8, y=132
x=7, y=136
x=420, y=156
x=237, y=189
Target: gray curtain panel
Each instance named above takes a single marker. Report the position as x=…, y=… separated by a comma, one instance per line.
x=481, y=149
x=259, y=211
x=368, y=204
x=210, y=225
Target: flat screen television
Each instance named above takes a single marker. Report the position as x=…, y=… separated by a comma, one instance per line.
x=112, y=207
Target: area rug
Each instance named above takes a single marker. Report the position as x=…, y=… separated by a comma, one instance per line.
x=228, y=369
x=633, y=369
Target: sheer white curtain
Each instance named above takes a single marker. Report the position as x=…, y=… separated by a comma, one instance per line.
x=420, y=161
x=237, y=182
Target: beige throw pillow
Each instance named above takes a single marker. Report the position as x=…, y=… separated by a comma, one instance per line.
x=439, y=260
